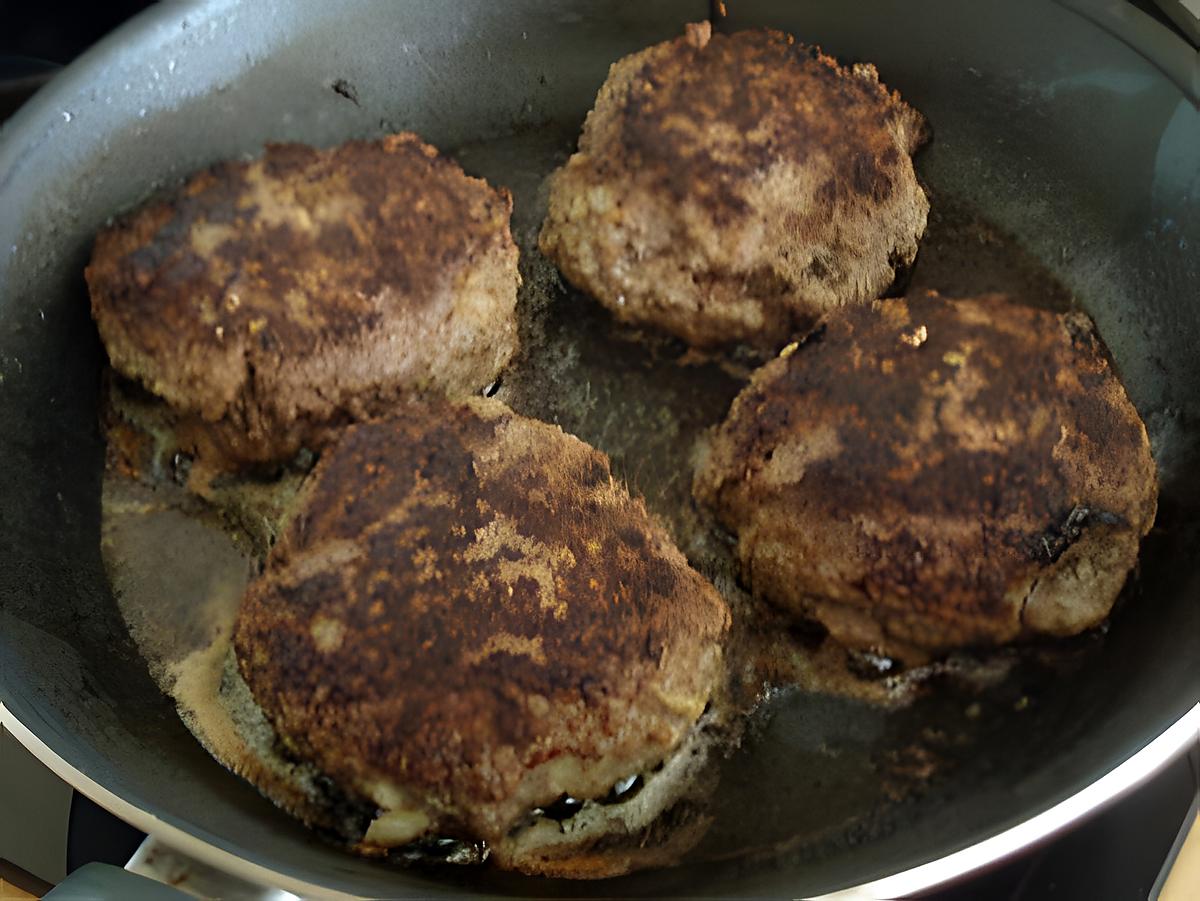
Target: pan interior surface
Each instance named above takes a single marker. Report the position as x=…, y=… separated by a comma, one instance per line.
x=1012, y=102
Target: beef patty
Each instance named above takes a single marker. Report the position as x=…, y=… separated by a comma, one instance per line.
x=466, y=620
x=733, y=188
x=269, y=302
x=928, y=473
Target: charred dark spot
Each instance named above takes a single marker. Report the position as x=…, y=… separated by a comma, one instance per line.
x=868, y=179
x=148, y=259
x=813, y=337
x=766, y=282
x=862, y=173
x=348, y=815
x=1047, y=546
x=592, y=689
x=279, y=161
x=307, y=595
x=633, y=537
x=827, y=194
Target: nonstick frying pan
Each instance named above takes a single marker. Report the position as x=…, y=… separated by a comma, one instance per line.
x=1071, y=127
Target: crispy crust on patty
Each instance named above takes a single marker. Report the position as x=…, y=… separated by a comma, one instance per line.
x=469, y=617
x=270, y=302
x=928, y=473
x=732, y=188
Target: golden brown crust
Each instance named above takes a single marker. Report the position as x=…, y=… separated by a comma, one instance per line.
x=928, y=473
x=703, y=114
x=268, y=301
x=467, y=601
x=733, y=187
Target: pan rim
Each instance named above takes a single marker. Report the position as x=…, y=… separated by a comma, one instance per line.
x=1144, y=763
x=922, y=876
x=177, y=838
x=1151, y=759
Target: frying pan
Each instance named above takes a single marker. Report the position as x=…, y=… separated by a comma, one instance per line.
x=1073, y=127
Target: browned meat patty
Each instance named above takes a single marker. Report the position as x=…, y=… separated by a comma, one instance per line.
x=926, y=474
x=468, y=619
x=733, y=188
x=268, y=302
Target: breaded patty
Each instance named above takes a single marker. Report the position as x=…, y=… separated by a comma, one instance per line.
x=927, y=473
x=468, y=619
x=733, y=188
x=269, y=302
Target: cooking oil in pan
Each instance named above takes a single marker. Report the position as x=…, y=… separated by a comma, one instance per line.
x=834, y=742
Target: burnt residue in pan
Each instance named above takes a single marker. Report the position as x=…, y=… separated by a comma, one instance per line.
x=835, y=741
